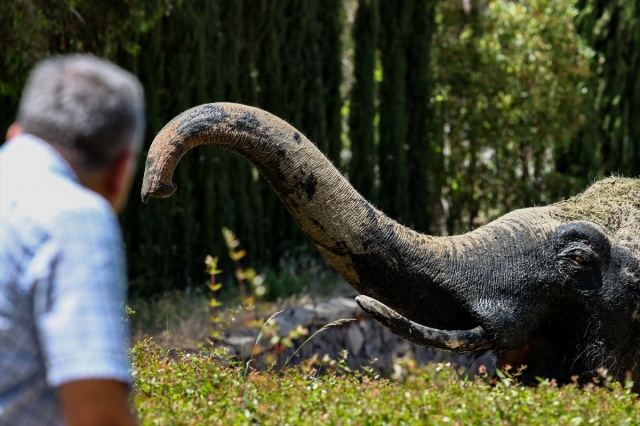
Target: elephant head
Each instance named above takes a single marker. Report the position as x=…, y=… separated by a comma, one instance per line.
x=555, y=288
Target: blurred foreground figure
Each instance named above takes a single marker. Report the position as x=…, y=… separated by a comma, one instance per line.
x=65, y=171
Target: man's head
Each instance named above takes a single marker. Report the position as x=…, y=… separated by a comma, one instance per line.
x=92, y=112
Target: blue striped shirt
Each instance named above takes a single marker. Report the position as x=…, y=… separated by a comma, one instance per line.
x=62, y=284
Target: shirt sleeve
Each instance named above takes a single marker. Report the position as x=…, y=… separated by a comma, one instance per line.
x=79, y=306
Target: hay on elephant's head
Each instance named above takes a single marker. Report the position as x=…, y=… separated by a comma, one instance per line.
x=612, y=203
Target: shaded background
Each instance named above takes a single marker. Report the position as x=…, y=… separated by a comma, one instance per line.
x=445, y=114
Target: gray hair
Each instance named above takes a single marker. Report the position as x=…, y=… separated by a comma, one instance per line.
x=84, y=103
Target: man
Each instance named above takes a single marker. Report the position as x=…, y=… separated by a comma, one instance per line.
x=65, y=172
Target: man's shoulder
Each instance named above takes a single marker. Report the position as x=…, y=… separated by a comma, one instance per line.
x=53, y=200
x=37, y=190
x=65, y=197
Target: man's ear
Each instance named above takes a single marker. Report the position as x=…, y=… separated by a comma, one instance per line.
x=14, y=130
x=118, y=179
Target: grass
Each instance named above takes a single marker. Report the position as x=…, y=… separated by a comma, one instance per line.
x=203, y=386
x=179, y=388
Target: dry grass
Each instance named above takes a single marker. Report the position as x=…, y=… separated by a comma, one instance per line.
x=611, y=203
x=173, y=319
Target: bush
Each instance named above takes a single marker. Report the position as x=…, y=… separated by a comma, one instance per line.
x=182, y=388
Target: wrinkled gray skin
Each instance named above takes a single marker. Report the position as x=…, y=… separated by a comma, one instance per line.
x=562, y=297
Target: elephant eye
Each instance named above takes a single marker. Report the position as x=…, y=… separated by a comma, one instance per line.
x=581, y=259
x=579, y=264
x=580, y=255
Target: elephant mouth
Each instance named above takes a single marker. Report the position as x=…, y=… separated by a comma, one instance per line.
x=470, y=340
x=531, y=354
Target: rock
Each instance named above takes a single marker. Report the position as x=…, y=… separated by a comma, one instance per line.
x=368, y=343
x=355, y=339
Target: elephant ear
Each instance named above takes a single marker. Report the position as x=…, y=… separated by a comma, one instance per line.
x=474, y=339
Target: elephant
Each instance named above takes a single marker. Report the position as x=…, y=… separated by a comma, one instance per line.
x=553, y=288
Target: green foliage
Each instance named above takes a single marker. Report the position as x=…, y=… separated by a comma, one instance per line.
x=474, y=113
x=510, y=88
x=203, y=388
x=33, y=29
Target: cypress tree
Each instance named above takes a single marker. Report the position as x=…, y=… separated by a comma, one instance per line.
x=209, y=209
x=304, y=102
x=392, y=158
x=362, y=110
x=314, y=119
x=420, y=152
x=247, y=31
x=224, y=164
x=148, y=251
x=330, y=15
x=195, y=211
x=313, y=107
x=158, y=236
x=190, y=176
x=294, y=50
x=612, y=28
x=236, y=78
x=272, y=97
x=270, y=81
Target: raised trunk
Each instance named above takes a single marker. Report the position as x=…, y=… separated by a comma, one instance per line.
x=410, y=272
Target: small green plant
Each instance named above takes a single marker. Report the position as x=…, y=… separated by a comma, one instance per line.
x=277, y=343
x=247, y=303
x=332, y=324
x=212, y=269
x=129, y=311
x=258, y=341
x=243, y=276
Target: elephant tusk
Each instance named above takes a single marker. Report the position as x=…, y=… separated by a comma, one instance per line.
x=451, y=340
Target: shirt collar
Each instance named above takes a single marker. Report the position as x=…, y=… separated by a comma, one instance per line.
x=41, y=155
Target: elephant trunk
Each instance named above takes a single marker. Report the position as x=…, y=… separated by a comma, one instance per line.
x=375, y=254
